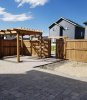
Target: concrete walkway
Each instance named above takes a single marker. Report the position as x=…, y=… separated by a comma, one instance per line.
x=20, y=81
x=9, y=65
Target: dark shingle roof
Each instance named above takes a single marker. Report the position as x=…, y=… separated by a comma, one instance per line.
x=68, y=20
x=85, y=23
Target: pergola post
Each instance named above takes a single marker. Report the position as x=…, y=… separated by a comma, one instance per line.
x=18, y=48
x=22, y=45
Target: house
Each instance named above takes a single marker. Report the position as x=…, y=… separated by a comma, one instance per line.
x=45, y=37
x=9, y=37
x=66, y=27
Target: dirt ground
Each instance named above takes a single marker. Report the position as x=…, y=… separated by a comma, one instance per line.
x=71, y=68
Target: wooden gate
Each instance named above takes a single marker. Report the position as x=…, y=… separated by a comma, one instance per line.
x=60, y=48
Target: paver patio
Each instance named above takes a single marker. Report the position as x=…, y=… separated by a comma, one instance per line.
x=22, y=82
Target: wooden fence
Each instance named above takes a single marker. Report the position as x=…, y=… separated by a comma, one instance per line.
x=30, y=48
x=72, y=49
x=76, y=50
x=8, y=47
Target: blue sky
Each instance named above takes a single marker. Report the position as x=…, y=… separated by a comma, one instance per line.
x=39, y=14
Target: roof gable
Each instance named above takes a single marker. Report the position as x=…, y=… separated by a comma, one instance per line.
x=67, y=20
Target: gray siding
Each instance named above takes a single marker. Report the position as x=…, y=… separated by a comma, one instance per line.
x=70, y=32
x=85, y=32
x=54, y=31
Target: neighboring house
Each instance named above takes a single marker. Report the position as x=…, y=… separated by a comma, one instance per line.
x=9, y=37
x=68, y=28
x=45, y=37
x=27, y=37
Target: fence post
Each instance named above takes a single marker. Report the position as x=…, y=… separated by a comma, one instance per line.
x=65, y=47
x=56, y=48
x=49, y=47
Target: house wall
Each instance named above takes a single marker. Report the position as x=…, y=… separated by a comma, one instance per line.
x=86, y=32
x=79, y=33
x=54, y=31
x=8, y=37
x=69, y=32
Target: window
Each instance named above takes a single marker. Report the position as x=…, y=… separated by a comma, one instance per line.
x=53, y=29
x=81, y=34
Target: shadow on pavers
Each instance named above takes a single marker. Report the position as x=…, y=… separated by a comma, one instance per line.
x=37, y=85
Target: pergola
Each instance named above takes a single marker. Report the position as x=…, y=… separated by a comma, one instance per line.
x=21, y=32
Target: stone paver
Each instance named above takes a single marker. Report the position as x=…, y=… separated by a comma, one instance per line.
x=37, y=85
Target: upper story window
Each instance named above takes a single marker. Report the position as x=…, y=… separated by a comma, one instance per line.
x=81, y=34
x=53, y=29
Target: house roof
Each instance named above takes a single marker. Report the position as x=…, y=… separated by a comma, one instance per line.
x=85, y=23
x=68, y=20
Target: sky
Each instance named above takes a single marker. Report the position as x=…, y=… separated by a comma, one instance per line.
x=40, y=14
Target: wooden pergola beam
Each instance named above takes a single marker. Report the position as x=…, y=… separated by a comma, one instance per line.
x=6, y=32
x=26, y=29
x=2, y=33
x=21, y=31
x=28, y=32
x=12, y=31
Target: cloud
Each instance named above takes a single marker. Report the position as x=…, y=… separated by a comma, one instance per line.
x=33, y=3
x=5, y=16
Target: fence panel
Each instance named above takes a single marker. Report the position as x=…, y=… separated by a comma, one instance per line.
x=37, y=48
x=8, y=47
x=76, y=50
x=46, y=48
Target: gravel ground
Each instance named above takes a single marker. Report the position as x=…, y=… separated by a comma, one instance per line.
x=72, y=68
